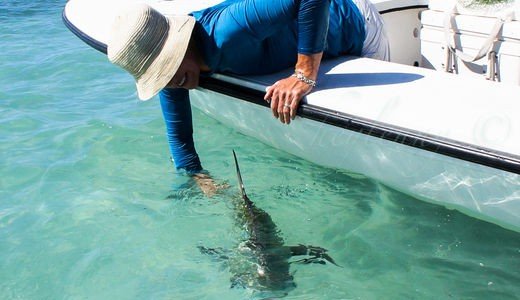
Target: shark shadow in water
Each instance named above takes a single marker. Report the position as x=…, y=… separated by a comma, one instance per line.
x=264, y=263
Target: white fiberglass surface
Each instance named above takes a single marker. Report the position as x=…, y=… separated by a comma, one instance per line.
x=471, y=111
x=476, y=190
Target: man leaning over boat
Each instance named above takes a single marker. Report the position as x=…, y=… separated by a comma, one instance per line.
x=167, y=54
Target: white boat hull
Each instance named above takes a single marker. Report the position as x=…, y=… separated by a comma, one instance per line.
x=483, y=192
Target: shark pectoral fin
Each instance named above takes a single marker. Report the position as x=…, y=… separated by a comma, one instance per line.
x=330, y=259
x=299, y=250
x=218, y=253
x=310, y=260
x=318, y=255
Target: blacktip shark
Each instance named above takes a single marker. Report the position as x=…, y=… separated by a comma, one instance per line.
x=267, y=267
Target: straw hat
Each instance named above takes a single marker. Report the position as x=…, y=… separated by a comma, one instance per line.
x=149, y=45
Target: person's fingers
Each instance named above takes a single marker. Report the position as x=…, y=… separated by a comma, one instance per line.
x=281, y=108
x=294, y=107
x=287, y=111
x=274, y=104
x=285, y=96
x=268, y=94
x=288, y=105
x=276, y=97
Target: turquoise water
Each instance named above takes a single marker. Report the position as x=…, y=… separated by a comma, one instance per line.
x=90, y=206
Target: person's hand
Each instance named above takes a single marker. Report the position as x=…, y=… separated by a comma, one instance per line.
x=208, y=185
x=285, y=96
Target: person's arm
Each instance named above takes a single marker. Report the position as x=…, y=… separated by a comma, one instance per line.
x=175, y=105
x=286, y=94
x=260, y=18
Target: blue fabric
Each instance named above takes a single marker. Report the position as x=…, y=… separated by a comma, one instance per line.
x=259, y=37
x=264, y=36
x=175, y=104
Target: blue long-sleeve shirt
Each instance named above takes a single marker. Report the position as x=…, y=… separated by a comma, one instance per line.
x=265, y=36
x=259, y=37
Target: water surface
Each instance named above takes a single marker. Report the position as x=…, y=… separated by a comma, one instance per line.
x=90, y=206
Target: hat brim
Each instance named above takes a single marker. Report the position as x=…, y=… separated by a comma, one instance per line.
x=169, y=59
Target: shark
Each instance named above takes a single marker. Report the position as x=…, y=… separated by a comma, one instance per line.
x=268, y=258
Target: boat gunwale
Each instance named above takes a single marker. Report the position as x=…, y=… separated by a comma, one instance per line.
x=440, y=145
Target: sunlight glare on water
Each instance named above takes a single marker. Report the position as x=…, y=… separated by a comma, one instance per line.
x=92, y=208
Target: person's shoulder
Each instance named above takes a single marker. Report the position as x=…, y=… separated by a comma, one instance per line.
x=211, y=12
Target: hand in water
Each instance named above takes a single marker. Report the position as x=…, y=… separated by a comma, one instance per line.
x=207, y=185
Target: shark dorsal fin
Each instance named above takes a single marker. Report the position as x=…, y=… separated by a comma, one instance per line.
x=240, y=183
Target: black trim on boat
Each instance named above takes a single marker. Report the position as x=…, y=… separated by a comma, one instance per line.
x=467, y=152
x=82, y=36
x=391, y=10
x=491, y=158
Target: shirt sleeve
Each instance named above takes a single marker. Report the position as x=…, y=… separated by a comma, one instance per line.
x=262, y=18
x=175, y=104
x=313, y=24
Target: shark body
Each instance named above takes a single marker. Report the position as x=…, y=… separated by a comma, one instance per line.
x=268, y=256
